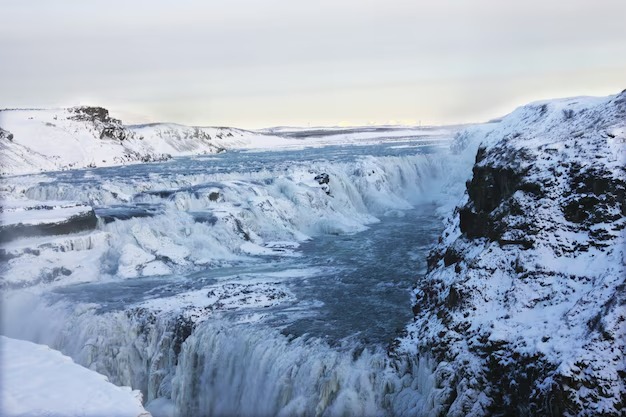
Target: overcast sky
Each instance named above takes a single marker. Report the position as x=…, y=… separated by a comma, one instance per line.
x=253, y=63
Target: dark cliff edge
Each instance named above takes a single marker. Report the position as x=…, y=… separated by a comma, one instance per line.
x=523, y=310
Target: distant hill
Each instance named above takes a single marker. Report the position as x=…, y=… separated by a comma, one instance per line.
x=36, y=140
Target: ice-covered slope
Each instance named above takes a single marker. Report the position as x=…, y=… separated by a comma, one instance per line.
x=39, y=381
x=523, y=309
x=179, y=140
x=57, y=139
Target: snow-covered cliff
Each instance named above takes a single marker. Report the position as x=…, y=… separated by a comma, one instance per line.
x=523, y=309
x=35, y=140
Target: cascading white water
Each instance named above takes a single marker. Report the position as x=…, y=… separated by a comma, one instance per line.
x=224, y=368
x=131, y=348
x=229, y=370
x=253, y=371
x=212, y=219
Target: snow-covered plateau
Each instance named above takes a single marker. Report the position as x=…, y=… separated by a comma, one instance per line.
x=330, y=271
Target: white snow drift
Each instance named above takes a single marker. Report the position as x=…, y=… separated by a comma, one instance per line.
x=39, y=381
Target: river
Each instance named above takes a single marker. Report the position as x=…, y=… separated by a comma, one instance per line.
x=241, y=284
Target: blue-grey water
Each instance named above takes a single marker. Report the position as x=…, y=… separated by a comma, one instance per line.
x=361, y=289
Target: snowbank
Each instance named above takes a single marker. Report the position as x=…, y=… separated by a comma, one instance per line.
x=39, y=381
x=24, y=218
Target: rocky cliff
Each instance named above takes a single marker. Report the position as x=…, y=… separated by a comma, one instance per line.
x=523, y=310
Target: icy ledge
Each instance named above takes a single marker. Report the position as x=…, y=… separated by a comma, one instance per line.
x=27, y=218
x=523, y=309
x=39, y=381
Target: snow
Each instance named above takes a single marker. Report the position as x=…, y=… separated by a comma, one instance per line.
x=45, y=140
x=235, y=293
x=58, y=139
x=352, y=136
x=39, y=381
x=62, y=139
x=181, y=140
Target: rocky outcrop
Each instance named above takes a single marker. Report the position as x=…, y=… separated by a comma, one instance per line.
x=324, y=180
x=108, y=127
x=92, y=114
x=6, y=135
x=524, y=306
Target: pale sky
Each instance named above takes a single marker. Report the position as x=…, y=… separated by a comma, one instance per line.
x=253, y=63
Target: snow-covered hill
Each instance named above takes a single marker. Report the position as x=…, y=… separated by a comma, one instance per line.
x=181, y=140
x=38, y=140
x=58, y=139
x=523, y=311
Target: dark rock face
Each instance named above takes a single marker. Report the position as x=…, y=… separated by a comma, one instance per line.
x=594, y=196
x=93, y=114
x=523, y=307
x=113, y=132
x=238, y=227
x=108, y=127
x=322, y=178
x=491, y=199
